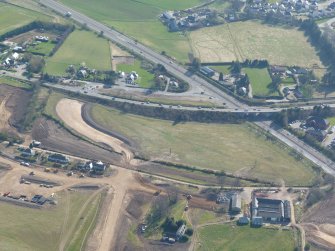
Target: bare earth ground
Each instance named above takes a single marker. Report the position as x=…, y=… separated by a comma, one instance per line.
x=15, y=104
x=119, y=183
x=319, y=223
x=29, y=36
x=56, y=138
x=70, y=112
x=119, y=56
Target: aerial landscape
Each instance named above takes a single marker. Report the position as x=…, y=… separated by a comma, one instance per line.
x=167, y=125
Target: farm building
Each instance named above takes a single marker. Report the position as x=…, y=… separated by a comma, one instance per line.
x=97, y=166
x=271, y=210
x=235, y=203
x=257, y=221
x=28, y=152
x=181, y=231
x=58, y=158
x=243, y=220
x=208, y=72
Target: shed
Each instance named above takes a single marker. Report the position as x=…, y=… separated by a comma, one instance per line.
x=235, y=203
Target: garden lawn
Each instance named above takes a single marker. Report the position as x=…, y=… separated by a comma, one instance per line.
x=260, y=81
x=145, y=80
x=42, y=48
x=81, y=47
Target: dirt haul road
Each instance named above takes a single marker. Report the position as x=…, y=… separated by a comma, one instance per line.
x=4, y=114
x=69, y=111
x=121, y=182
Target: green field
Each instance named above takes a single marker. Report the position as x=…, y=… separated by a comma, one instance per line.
x=140, y=20
x=12, y=17
x=42, y=48
x=81, y=47
x=253, y=40
x=14, y=82
x=33, y=229
x=145, y=80
x=226, y=237
x=260, y=81
x=239, y=149
x=50, y=107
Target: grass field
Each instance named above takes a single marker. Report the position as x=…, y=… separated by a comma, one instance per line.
x=14, y=82
x=81, y=47
x=253, y=40
x=238, y=149
x=226, y=237
x=130, y=17
x=32, y=229
x=50, y=107
x=12, y=17
x=145, y=80
x=260, y=81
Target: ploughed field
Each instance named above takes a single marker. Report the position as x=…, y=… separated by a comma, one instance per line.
x=241, y=149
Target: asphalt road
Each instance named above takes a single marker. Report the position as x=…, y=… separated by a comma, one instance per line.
x=174, y=68
x=195, y=82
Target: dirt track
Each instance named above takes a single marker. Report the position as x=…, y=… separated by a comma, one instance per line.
x=121, y=182
x=56, y=138
x=70, y=112
x=4, y=114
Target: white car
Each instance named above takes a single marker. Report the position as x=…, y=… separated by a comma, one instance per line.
x=24, y=163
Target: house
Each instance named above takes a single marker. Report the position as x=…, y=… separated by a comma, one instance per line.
x=243, y=220
x=317, y=123
x=58, y=158
x=42, y=38
x=28, y=153
x=298, y=93
x=278, y=69
x=131, y=78
x=319, y=135
x=235, y=203
x=271, y=210
x=9, y=62
x=82, y=73
x=221, y=198
x=18, y=49
x=242, y=91
x=15, y=56
x=97, y=166
x=208, y=72
x=181, y=231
